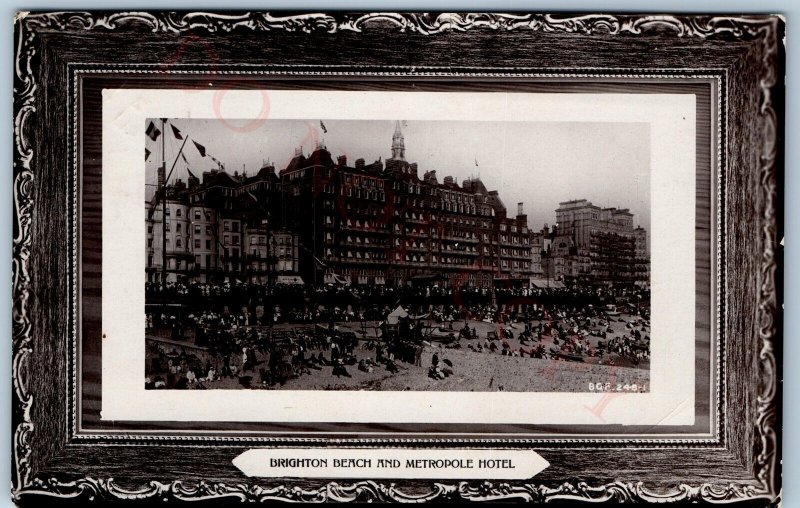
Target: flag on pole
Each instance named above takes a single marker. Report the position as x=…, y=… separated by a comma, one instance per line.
x=152, y=131
x=217, y=162
x=146, y=154
x=319, y=262
x=175, y=131
x=322, y=125
x=183, y=156
x=200, y=148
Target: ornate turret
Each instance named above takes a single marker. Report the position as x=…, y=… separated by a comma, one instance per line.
x=398, y=144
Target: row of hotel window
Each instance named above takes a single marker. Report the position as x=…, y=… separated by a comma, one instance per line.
x=329, y=254
x=432, y=231
x=457, y=206
x=432, y=219
x=348, y=179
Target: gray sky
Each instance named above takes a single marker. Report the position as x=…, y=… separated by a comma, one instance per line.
x=537, y=163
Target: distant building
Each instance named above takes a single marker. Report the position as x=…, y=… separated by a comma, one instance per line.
x=596, y=246
x=642, y=256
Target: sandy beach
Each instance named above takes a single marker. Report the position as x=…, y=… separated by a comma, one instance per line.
x=472, y=370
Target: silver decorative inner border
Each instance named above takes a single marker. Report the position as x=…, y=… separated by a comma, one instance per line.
x=617, y=76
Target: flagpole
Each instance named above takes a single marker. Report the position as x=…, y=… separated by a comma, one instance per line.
x=164, y=212
x=164, y=202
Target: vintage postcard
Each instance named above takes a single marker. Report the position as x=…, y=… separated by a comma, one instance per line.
x=395, y=256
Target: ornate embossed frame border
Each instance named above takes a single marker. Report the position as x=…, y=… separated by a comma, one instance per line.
x=748, y=50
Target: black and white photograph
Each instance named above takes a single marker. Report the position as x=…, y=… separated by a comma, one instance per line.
x=322, y=254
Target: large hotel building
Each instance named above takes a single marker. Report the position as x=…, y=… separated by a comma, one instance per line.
x=320, y=220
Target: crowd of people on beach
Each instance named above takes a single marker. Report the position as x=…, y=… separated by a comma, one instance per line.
x=228, y=331
x=573, y=343
x=298, y=303
x=231, y=350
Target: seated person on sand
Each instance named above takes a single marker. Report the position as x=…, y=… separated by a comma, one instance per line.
x=340, y=370
x=391, y=366
x=362, y=366
x=448, y=366
x=435, y=372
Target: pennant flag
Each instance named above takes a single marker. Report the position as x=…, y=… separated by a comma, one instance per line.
x=183, y=156
x=176, y=132
x=323, y=127
x=200, y=148
x=319, y=262
x=146, y=154
x=191, y=174
x=152, y=131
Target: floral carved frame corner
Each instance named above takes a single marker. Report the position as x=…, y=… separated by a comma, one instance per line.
x=766, y=31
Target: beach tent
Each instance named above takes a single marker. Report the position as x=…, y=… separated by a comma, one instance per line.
x=396, y=315
x=544, y=284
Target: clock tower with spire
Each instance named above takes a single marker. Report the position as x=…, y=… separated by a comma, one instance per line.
x=398, y=143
